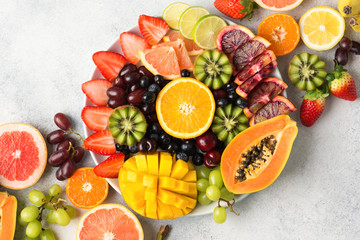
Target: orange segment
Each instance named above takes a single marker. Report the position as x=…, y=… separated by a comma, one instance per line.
x=185, y=108
x=192, y=48
x=86, y=190
x=282, y=31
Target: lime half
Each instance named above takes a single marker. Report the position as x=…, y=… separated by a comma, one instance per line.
x=172, y=14
x=206, y=30
x=188, y=20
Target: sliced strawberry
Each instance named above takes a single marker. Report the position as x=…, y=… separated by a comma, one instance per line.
x=131, y=44
x=152, y=28
x=95, y=90
x=101, y=143
x=109, y=63
x=96, y=118
x=111, y=166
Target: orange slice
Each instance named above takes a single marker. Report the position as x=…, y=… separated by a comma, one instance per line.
x=192, y=48
x=181, y=53
x=282, y=31
x=86, y=190
x=185, y=108
x=161, y=60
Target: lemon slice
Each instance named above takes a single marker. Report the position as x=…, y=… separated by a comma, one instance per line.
x=188, y=20
x=321, y=28
x=172, y=14
x=206, y=30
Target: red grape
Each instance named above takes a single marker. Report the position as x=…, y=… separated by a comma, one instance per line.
x=207, y=141
x=62, y=121
x=68, y=168
x=135, y=97
x=59, y=175
x=212, y=158
x=66, y=144
x=79, y=153
x=56, y=136
x=58, y=157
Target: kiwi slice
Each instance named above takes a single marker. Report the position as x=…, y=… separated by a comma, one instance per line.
x=306, y=71
x=228, y=122
x=213, y=68
x=127, y=125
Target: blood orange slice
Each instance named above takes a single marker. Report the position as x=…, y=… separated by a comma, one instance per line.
x=279, y=5
x=109, y=221
x=278, y=106
x=192, y=48
x=232, y=37
x=23, y=155
x=181, y=53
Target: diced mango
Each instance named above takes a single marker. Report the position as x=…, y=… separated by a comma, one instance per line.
x=141, y=210
x=179, y=169
x=153, y=163
x=150, y=194
x=141, y=163
x=166, y=196
x=134, y=191
x=135, y=177
x=151, y=209
x=165, y=164
x=131, y=164
x=176, y=212
x=190, y=166
x=166, y=182
x=181, y=187
x=164, y=211
x=123, y=176
x=190, y=176
x=186, y=210
x=150, y=181
x=192, y=191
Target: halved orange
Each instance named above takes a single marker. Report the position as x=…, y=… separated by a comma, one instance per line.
x=192, y=48
x=185, y=108
x=86, y=190
x=161, y=60
x=282, y=31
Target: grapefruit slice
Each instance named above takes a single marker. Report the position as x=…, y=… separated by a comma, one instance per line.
x=161, y=60
x=192, y=48
x=109, y=221
x=23, y=155
x=278, y=106
x=181, y=53
x=279, y=5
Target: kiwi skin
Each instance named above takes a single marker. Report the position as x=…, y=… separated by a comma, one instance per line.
x=127, y=125
x=306, y=71
x=213, y=68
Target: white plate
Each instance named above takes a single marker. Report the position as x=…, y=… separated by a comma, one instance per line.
x=199, y=209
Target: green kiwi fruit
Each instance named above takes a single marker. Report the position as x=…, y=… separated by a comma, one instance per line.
x=228, y=122
x=213, y=68
x=306, y=71
x=127, y=125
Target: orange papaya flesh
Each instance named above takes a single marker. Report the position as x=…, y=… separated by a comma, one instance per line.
x=8, y=205
x=255, y=157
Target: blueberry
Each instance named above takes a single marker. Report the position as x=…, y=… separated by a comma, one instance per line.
x=230, y=85
x=159, y=79
x=241, y=102
x=144, y=81
x=164, y=140
x=222, y=102
x=155, y=88
x=188, y=148
x=133, y=148
x=198, y=159
x=185, y=73
x=121, y=148
x=148, y=97
x=155, y=128
x=173, y=148
x=183, y=156
x=154, y=136
x=232, y=96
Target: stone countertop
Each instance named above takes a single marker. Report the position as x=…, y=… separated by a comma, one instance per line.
x=46, y=49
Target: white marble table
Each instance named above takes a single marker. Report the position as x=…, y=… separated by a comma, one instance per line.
x=46, y=49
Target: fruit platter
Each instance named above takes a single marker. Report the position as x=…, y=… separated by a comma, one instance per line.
x=189, y=114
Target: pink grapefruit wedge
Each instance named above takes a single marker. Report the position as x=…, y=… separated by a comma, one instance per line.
x=109, y=221
x=23, y=155
x=279, y=5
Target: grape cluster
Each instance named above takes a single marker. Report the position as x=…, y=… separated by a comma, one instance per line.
x=210, y=188
x=346, y=46
x=67, y=154
x=31, y=216
x=227, y=94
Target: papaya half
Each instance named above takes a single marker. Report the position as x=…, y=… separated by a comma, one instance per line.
x=255, y=157
x=8, y=205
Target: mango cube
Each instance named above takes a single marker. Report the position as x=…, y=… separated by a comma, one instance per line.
x=165, y=164
x=179, y=169
x=150, y=181
x=190, y=176
x=153, y=163
x=141, y=163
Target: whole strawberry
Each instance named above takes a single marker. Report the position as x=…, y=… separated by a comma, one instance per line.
x=236, y=8
x=342, y=84
x=312, y=106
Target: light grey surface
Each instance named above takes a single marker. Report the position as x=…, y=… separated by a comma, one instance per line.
x=46, y=49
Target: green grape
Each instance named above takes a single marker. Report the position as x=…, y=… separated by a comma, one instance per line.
x=213, y=193
x=29, y=238
x=33, y=229
x=225, y=194
x=202, y=184
x=54, y=200
x=219, y=214
x=22, y=222
x=217, y=168
x=55, y=190
x=203, y=172
x=203, y=199
x=215, y=178
x=30, y=213
x=50, y=217
x=71, y=211
x=61, y=217
x=47, y=234
x=36, y=197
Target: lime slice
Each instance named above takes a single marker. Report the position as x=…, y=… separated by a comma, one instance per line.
x=172, y=14
x=188, y=20
x=206, y=30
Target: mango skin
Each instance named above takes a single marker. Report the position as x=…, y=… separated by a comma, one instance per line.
x=8, y=207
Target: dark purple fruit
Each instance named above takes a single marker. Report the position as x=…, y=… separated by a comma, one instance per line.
x=158, y=79
x=148, y=108
x=341, y=56
x=189, y=148
x=232, y=96
x=120, y=82
x=219, y=94
x=207, y=141
x=241, y=102
x=222, y=102
x=172, y=148
x=121, y=148
x=115, y=92
x=133, y=148
x=212, y=158
x=152, y=118
x=164, y=140
x=155, y=128
x=154, y=136
x=132, y=78
x=229, y=86
x=155, y=88
x=185, y=73
x=148, y=97
x=56, y=136
x=198, y=159
x=58, y=157
x=355, y=48
x=345, y=43
x=142, y=70
x=59, y=175
x=62, y=121
x=135, y=97
x=79, y=154
x=183, y=156
x=127, y=69
x=66, y=144
x=68, y=168
x=135, y=87
x=144, y=81
x=114, y=103
x=147, y=146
